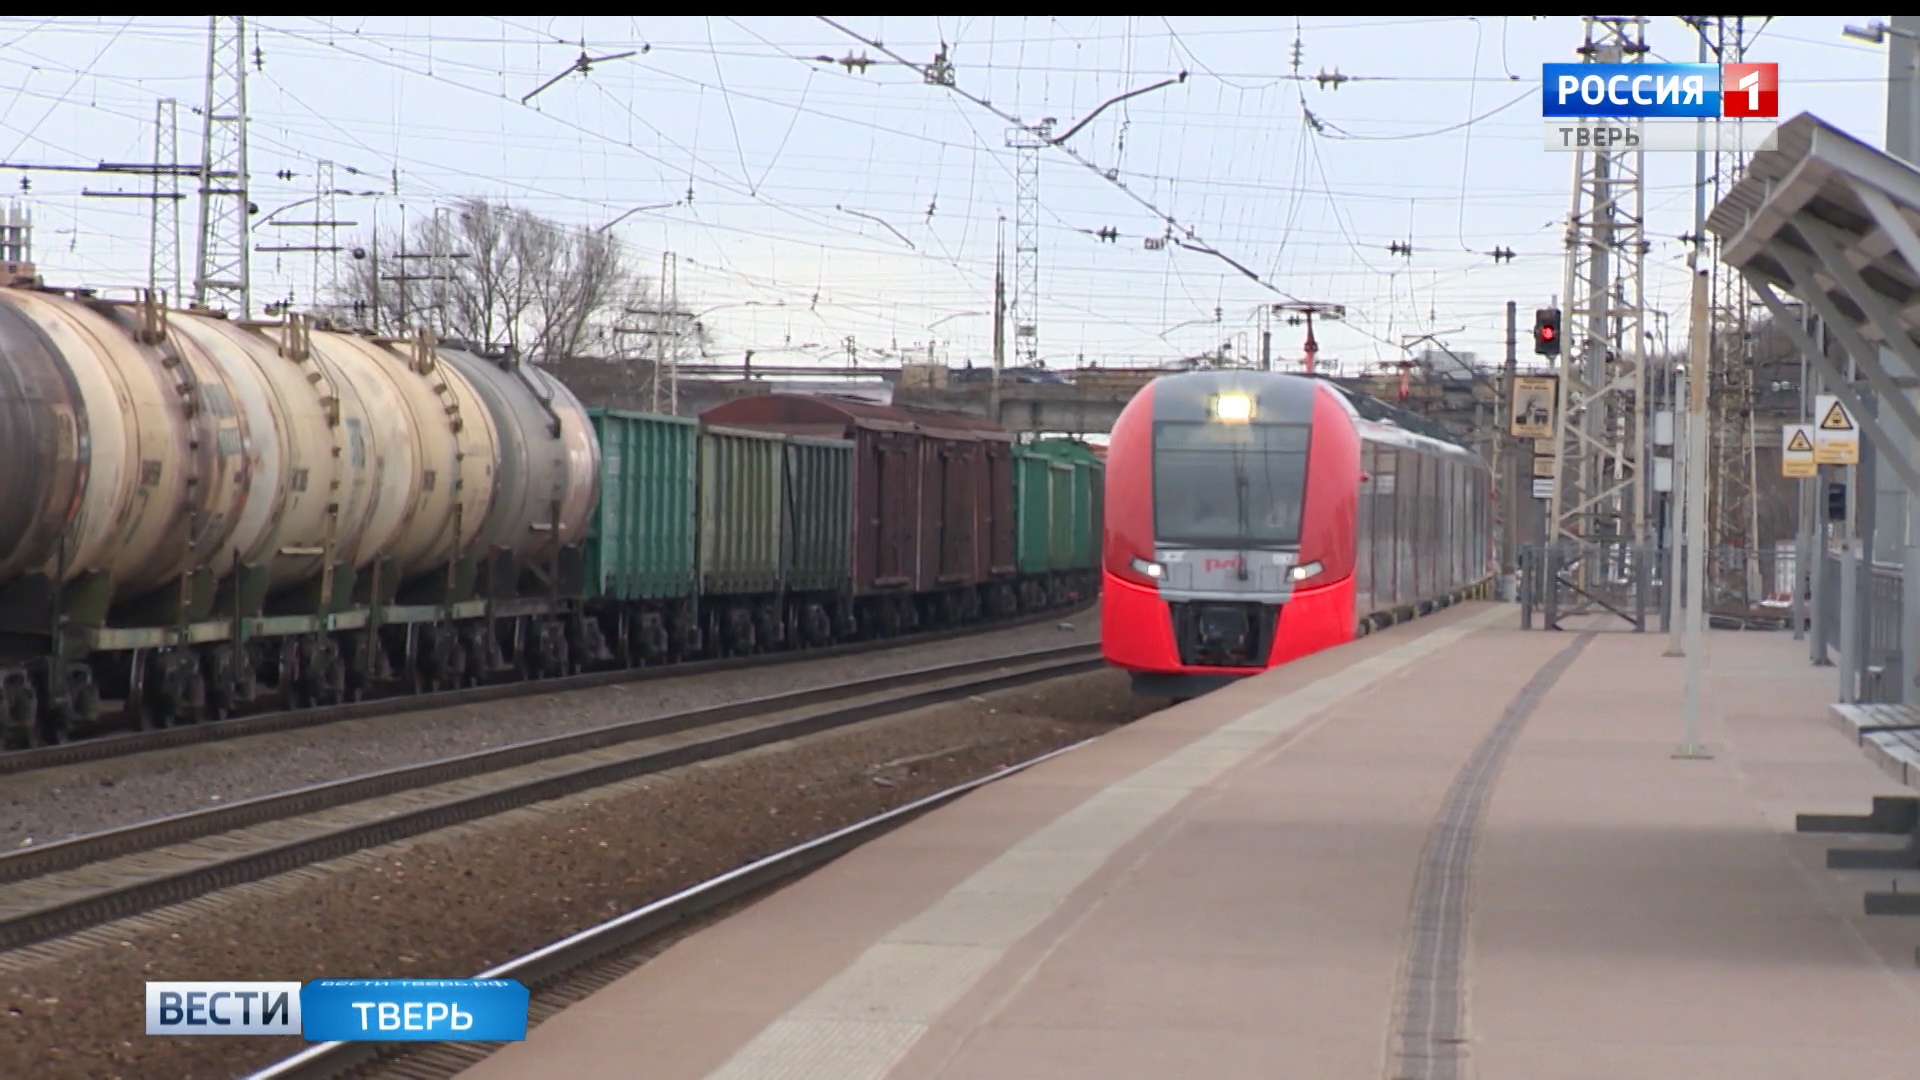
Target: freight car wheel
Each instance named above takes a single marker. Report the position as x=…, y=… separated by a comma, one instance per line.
x=216, y=676
x=319, y=674
x=20, y=709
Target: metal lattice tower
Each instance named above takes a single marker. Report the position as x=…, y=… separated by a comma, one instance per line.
x=163, y=234
x=1030, y=142
x=1733, y=511
x=326, y=240
x=16, y=233
x=221, y=279
x=1599, y=493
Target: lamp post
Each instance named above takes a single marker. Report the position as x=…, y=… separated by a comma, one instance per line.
x=944, y=319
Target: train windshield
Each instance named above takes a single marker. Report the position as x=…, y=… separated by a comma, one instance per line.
x=1228, y=486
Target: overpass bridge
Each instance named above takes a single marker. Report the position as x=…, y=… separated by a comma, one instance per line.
x=1085, y=401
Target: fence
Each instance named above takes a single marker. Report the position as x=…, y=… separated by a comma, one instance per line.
x=1621, y=586
x=1748, y=589
x=1880, y=595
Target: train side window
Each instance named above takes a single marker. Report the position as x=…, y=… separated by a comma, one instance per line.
x=1363, y=553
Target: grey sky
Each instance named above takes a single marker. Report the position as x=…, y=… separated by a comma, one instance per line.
x=780, y=151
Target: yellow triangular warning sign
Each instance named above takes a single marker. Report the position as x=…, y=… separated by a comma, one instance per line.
x=1836, y=419
x=1800, y=444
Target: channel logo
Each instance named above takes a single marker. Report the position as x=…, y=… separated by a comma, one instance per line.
x=223, y=1008
x=1647, y=91
x=344, y=1010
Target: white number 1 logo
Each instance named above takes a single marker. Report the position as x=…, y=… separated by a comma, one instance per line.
x=1750, y=82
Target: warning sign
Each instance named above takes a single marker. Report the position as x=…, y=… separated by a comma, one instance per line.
x=1796, y=452
x=1836, y=437
x=1534, y=399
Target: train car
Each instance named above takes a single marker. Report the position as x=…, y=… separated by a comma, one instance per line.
x=1059, y=490
x=904, y=562
x=774, y=561
x=934, y=518
x=817, y=511
x=975, y=471
x=209, y=516
x=1252, y=518
x=206, y=512
x=642, y=551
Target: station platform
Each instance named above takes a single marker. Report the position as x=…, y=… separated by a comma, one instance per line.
x=1450, y=849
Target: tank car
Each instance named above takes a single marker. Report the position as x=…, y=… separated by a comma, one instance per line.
x=203, y=511
x=1253, y=518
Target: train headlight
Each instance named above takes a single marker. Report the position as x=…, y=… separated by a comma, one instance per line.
x=1306, y=570
x=1151, y=569
x=1233, y=408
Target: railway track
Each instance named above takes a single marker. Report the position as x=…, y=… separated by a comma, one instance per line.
x=569, y=970
x=65, y=887
x=126, y=744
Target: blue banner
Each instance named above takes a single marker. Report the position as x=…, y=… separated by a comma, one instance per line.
x=1622, y=91
x=414, y=1010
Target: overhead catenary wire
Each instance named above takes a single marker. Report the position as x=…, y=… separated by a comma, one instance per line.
x=1249, y=206
x=1181, y=234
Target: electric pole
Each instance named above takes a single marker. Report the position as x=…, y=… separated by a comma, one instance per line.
x=999, y=320
x=1508, y=470
x=1028, y=142
x=1734, y=510
x=163, y=233
x=1599, y=489
x=221, y=279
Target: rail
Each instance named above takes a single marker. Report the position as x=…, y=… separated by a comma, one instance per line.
x=79, y=883
x=546, y=970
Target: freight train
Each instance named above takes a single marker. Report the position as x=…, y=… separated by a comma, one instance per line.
x=1253, y=518
x=201, y=516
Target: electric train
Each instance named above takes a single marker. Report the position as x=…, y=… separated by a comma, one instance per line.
x=1254, y=517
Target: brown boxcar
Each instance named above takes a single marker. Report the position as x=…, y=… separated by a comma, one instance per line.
x=988, y=461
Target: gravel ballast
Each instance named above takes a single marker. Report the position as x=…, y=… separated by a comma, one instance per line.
x=44, y=806
x=455, y=902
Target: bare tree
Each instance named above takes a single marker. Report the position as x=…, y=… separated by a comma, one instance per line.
x=497, y=276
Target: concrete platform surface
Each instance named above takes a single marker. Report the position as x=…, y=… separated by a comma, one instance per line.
x=1452, y=849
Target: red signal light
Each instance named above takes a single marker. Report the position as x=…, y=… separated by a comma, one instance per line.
x=1546, y=331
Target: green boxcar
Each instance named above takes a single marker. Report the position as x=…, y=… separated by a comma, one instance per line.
x=819, y=514
x=1057, y=484
x=1033, y=507
x=741, y=510
x=1086, y=502
x=1061, y=535
x=641, y=545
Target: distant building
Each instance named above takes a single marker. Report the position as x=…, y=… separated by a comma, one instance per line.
x=1457, y=365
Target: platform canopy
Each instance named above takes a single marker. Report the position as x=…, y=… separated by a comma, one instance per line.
x=1831, y=220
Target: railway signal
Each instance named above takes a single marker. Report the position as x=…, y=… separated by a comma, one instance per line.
x=1546, y=331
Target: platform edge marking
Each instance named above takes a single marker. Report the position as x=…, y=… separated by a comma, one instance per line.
x=856, y=1026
